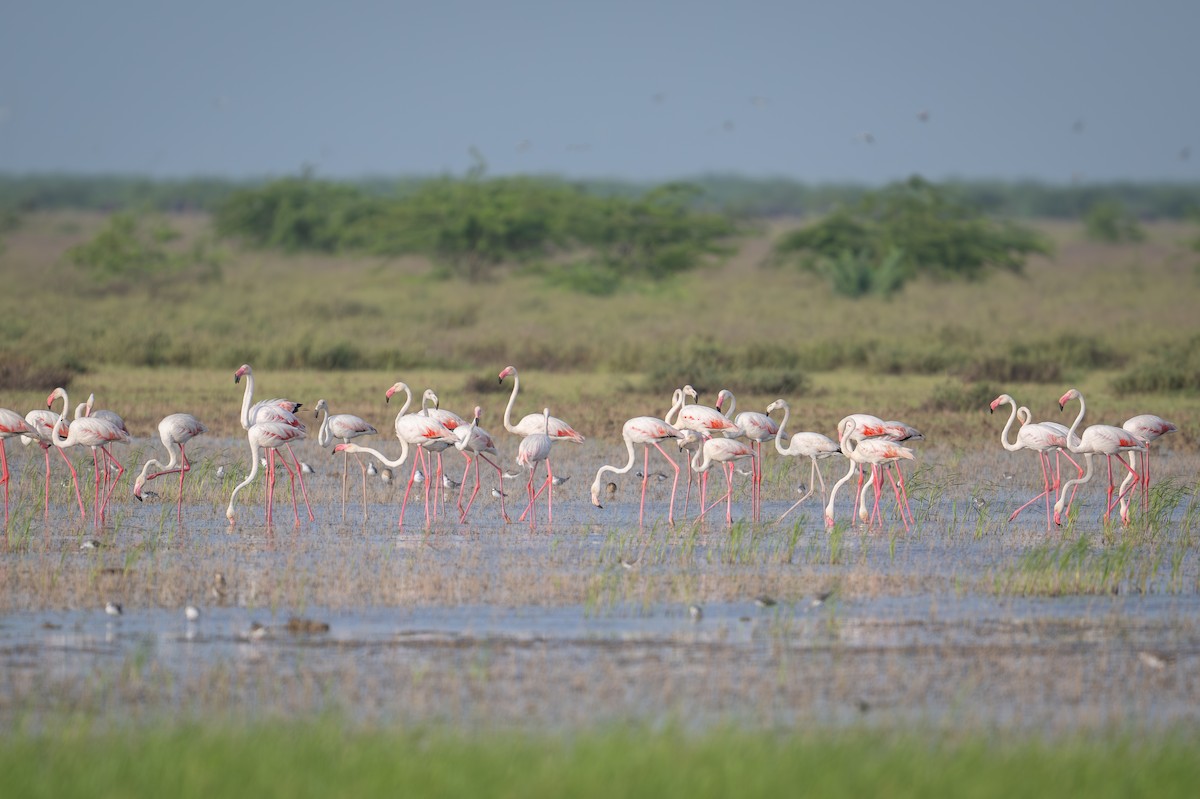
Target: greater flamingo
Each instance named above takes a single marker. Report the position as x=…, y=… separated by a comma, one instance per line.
x=12, y=424
x=175, y=430
x=451, y=421
x=344, y=426
x=282, y=411
x=97, y=434
x=41, y=424
x=271, y=436
x=1098, y=439
x=533, y=423
x=649, y=432
x=535, y=449
x=1148, y=428
x=1041, y=438
x=704, y=421
x=758, y=428
x=725, y=451
x=874, y=451
x=474, y=443
x=416, y=430
x=813, y=446
x=99, y=413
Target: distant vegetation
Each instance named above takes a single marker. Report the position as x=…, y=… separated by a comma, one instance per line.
x=904, y=230
x=1108, y=221
x=130, y=245
x=729, y=194
x=469, y=227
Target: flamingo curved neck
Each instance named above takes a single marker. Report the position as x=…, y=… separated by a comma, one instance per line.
x=614, y=469
x=324, y=436
x=247, y=399
x=779, y=433
x=732, y=404
x=512, y=398
x=1014, y=446
x=1074, y=443
x=676, y=405
x=379, y=456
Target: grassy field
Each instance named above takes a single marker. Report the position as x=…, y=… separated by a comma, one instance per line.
x=347, y=327
x=323, y=759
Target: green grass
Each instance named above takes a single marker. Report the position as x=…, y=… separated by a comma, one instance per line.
x=324, y=759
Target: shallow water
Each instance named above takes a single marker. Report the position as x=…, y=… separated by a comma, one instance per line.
x=956, y=622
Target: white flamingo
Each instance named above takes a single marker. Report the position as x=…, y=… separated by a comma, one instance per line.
x=813, y=446
x=533, y=423
x=271, y=436
x=345, y=427
x=649, y=432
x=175, y=430
x=98, y=435
x=279, y=411
x=1098, y=439
x=474, y=443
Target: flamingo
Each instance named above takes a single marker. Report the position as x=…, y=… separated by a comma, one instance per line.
x=533, y=423
x=12, y=424
x=344, y=426
x=41, y=425
x=533, y=450
x=451, y=421
x=647, y=431
x=700, y=419
x=1040, y=437
x=690, y=442
x=474, y=442
x=271, y=436
x=96, y=434
x=416, y=430
x=175, y=429
x=758, y=427
x=277, y=410
x=813, y=446
x=725, y=451
x=1149, y=428
x=869, y=426
x=1098, y=439
x=106, y=415
x=875, y=451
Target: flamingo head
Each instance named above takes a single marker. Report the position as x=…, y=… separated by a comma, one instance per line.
x=596, y=494
x=395, y=387
x=322, y=405
x=1065, y=398
x=242, y=371
x=57, y=393
x=137, y=488
x=777, y=404
x=688, y=391
x=341, y=448
x=430, y=396
x=478, y=414
x=722, y=395
x=1001, y=400
x=508, y=370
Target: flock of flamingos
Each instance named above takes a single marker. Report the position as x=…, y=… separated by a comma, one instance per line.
x=711, y=435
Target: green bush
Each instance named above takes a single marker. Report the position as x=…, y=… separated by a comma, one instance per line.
x=134, y=245
x=1107, y=221
x=903, y=230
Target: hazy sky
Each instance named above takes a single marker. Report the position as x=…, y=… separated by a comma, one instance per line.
x=818, y=91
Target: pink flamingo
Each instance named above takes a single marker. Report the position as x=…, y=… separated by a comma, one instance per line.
x=97, y=434
x=649, y=432
x=474, y=443
x=452, y=422
x=535, y=449
x=98, y=413
x=1148, y=428
x=1098, y=439
x=867, y=426
x=412, y=429
x=344, y=426
x=690, y=442
x=277, y=410
x=702, y=420
x=874, y=451
x=813, y=446
x=175, y=430
x=533, y=423
x=758, y=428
x=271, y=436
x=725, y=451
x=12, y=424
x=1041, y=438
x=41, y=425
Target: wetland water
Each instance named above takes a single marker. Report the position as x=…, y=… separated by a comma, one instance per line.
x=966, y=620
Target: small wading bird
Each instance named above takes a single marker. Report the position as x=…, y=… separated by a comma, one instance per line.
x=649, y=432
x=175, y=430
x=344, y=427
x=1099, y=439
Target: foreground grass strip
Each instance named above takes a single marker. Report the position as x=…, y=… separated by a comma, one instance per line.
x=325, y=759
